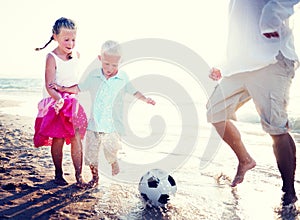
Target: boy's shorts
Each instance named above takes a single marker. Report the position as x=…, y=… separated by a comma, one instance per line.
x=269, y=89
x=95, y=141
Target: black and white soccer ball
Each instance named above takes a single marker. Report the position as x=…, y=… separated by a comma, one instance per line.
x=156, y=187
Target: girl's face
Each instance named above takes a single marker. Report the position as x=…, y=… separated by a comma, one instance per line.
x=66, y=40
x=110, y=64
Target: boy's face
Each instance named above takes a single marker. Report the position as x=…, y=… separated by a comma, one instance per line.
x=110, y=64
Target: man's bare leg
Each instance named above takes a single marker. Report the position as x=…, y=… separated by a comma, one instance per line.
x=285, y=153
x=232, y=137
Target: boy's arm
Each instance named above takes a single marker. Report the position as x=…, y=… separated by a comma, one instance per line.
x=71, y=89
x=141, y=97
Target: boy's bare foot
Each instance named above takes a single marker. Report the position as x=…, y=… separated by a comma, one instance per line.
x=115, y=169
x=94, y=182
x=241, y=171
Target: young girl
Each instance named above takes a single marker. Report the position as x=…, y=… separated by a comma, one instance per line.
x=60, y=117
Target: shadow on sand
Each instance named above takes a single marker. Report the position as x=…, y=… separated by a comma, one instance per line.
x=44, y=201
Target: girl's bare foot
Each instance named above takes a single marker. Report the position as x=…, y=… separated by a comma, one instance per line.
x=80, y=183
x=115, y=169
x=59, y=180
x=241, y=171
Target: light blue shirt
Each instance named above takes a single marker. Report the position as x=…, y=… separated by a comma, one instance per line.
x=107, y=97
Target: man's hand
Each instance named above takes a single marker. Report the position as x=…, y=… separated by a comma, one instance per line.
x=270, y=35
x=215, y=74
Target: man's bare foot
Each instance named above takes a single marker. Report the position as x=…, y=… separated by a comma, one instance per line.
x=241, y=171
x=115, y=169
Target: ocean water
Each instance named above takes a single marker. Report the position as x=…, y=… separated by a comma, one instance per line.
x=204, y=192
x=29, y=91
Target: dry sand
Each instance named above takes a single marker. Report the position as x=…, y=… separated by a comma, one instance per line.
x=26, y=178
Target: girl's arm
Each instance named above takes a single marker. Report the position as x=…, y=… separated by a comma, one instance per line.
x=140, y=96
x=50, y=77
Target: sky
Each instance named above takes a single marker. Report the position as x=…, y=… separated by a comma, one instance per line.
x=199, y=25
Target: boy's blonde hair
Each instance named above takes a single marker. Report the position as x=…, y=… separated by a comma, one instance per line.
x=111, y=48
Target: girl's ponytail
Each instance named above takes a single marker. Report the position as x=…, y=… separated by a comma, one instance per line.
x=51, y=39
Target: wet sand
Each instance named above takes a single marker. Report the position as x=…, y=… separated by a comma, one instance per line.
x=28, y=192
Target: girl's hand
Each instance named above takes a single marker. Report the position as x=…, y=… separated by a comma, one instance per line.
x=150, y=101
x=215, y=74
x=58, y=105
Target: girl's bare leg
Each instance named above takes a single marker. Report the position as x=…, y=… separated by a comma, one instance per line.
x=76, y=154
x=57, y=156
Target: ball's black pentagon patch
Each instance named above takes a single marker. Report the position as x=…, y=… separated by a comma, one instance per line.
x=163, y=199
x=153, y=182
x=171, y=180
x=145, y=197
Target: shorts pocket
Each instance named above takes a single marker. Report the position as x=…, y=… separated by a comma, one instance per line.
x=278, y=114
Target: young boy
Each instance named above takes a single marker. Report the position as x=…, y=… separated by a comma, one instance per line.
x=107, y=87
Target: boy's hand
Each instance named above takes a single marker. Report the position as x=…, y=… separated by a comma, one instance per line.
x=150, y=101
x=215, y=74
x=58, y=105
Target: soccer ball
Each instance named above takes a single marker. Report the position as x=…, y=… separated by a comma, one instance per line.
x=156, y=187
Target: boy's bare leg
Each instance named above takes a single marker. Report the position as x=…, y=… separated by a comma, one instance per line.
x=232, y=137
x=95, y=176
x=115, y=169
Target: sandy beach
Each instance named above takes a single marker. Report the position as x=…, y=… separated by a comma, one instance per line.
x=26, y=177
x=28, y=192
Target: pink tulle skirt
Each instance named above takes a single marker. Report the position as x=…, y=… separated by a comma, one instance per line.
x=50, y=125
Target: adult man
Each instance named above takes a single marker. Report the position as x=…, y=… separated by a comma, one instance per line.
x=260, y=64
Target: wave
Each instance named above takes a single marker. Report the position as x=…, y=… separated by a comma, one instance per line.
x=20, y=85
